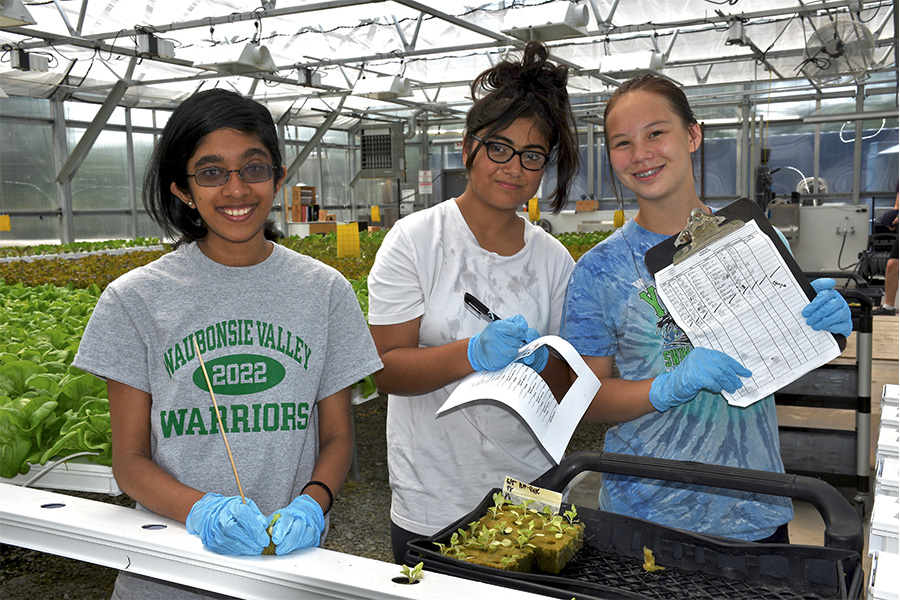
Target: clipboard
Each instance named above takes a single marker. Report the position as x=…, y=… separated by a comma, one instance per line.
x=703, y=229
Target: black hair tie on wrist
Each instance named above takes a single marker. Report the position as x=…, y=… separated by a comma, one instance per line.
x=327, y=491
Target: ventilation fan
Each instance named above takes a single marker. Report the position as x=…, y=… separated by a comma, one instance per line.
x=840, y=51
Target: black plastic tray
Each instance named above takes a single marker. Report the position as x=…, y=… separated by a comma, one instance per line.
x=697, y=566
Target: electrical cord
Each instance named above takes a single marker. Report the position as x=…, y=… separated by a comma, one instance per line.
x=55, y=464
x=841, y=251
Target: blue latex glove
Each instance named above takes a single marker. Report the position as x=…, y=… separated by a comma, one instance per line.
x=497, y=344
x=228, y=526
x=300, y=525
x=828, y=310
x=702, y=369
x=537, y=360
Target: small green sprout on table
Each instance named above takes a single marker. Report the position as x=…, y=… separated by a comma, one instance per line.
x=413, y=574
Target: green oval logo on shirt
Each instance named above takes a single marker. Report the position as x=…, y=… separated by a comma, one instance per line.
x=240, y=374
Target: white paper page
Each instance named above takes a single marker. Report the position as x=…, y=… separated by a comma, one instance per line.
x=521, y=388
x=737, y=295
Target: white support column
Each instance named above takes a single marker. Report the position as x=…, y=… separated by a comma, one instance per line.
x=63, y=188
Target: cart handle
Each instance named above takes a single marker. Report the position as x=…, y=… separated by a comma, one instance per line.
x=861, y=291
x=843, y=528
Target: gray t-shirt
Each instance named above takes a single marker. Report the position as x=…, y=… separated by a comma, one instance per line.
x=276, y=338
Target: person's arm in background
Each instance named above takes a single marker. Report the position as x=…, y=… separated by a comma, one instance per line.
x=620, y=400
x=335, y=446
x=617, y=400
x=558, y=376
x=896, y=201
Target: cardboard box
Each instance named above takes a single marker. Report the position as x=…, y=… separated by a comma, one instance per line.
x=373, y=228
x=586, y=205
x=320, y=227
x=329, y=217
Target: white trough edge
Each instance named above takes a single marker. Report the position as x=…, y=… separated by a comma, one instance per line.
x=116, y=537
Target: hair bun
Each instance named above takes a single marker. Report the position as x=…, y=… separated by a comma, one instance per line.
x=532, y=73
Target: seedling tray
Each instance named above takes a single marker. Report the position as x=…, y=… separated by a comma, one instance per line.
x=697, y=566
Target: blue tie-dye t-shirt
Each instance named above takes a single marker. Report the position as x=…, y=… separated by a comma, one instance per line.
x=612, y=309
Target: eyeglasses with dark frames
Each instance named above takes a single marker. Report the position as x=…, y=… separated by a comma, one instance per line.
x=531, y=160
x=217, y=176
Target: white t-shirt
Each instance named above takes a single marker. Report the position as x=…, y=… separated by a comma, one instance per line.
x=442, y=467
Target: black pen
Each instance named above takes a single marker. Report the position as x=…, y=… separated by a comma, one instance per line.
x=483, y=312
x=477, y=307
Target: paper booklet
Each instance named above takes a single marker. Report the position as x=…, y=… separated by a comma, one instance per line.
x=521, y=389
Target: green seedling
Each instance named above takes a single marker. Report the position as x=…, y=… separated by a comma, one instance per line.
x=487, y=539
x=525, y=535
x=507, y=560
x=270, y=549
x=413, y=574
x=558, y=524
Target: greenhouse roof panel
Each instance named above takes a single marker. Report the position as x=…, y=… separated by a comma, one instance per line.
x=303, y=57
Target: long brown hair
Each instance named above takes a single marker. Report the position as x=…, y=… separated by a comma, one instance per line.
x=654, y=84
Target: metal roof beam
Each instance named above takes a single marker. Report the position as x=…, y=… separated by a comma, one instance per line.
x=499, y=37
x=54, y=39
x=408, y=46
x=462, y=23
x=605, y=23
x=383, y=56
x=79, y=153
x=316, y=138
x=720, y=17
x=81, y=14
x=234, y=18
x=62, y=13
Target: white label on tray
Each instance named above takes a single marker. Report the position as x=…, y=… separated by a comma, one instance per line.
x=518, y=492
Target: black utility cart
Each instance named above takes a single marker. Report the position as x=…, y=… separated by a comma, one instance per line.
x=610, y=565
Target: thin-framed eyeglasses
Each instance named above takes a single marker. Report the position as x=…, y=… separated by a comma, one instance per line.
x=217, y=176
x=531, y=160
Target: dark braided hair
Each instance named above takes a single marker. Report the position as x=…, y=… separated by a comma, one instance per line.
x=532, y=88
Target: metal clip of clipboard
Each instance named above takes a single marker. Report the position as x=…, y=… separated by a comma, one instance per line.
x=702, y=230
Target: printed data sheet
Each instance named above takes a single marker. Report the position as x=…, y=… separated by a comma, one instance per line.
x=738, y=295
x=521, y=389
